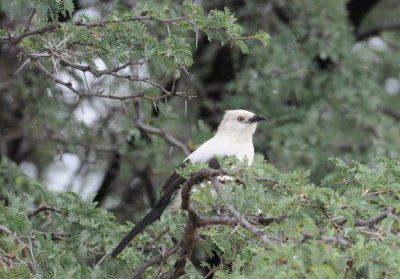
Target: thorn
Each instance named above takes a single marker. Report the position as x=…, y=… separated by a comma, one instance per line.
x=123, y=104
x=169, y=32
x=101, y=260
x=185, y=107
x=22, y=66
x=197, y=38
x=155, y=105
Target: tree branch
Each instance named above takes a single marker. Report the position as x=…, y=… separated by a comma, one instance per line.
x=337, y=227
x=189, y=239
x=195, y=221
x=153, y=261
x=241, y=218
x=335, y=240
x=53, y=53
x=52, y=27
x=186, y=249
x=6, y=230
x=378, y=218
x=41, y=209
x=191, y=229
x=204, y=221
x=169, y=138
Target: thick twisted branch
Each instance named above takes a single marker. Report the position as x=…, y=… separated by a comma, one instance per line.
x=191, y=230
x=196, y=221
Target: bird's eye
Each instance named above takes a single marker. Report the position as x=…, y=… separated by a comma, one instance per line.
x=240, y=118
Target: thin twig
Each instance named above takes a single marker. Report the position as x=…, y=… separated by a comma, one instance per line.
x=33, y=266
x=28, y=23
x=337, y=227
x=167, y=136
x=154, y=260
x=241, y=218
x=41, y=209
x=335, y=240
x=378, y=218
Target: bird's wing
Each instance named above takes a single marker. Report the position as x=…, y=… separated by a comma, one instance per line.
x=175, y=180
x=172, y=184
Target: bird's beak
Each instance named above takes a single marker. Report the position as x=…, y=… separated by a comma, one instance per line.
x=257, y=118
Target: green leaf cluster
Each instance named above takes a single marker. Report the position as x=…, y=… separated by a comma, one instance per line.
x=319, y=228
x=51, y=10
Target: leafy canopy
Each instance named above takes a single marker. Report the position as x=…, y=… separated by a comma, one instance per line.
x=347, y=225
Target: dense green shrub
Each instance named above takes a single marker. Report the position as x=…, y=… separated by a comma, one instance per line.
x=347, y=225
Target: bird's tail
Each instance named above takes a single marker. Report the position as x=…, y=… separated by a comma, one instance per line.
x=153, y=215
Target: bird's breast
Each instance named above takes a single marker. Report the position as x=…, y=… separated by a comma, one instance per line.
x=219, y=146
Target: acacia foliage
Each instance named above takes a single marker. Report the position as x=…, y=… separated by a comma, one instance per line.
x=120, y=39
x=323, y=89
x=346, y=227
x=122, y=64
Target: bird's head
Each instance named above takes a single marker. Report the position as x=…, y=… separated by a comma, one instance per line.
x=240, y=122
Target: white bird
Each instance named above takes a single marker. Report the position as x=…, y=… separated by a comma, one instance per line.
x=234, y=137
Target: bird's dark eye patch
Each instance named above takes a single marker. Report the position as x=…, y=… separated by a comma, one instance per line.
x=240, y=118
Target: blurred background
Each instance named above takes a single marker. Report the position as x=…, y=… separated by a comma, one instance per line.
x=329, y=81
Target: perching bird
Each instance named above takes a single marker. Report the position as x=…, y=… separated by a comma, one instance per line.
x=234, y=137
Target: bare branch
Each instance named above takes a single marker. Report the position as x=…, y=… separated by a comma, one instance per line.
x=336, y=226
x=167, y=136
x=15, y=40
x=98, y=73
x=232, y=221
x=42, y=208
x=217, y=220
x=28, y=23
x=326, y=239
x=335, y=240
x=30, y=247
